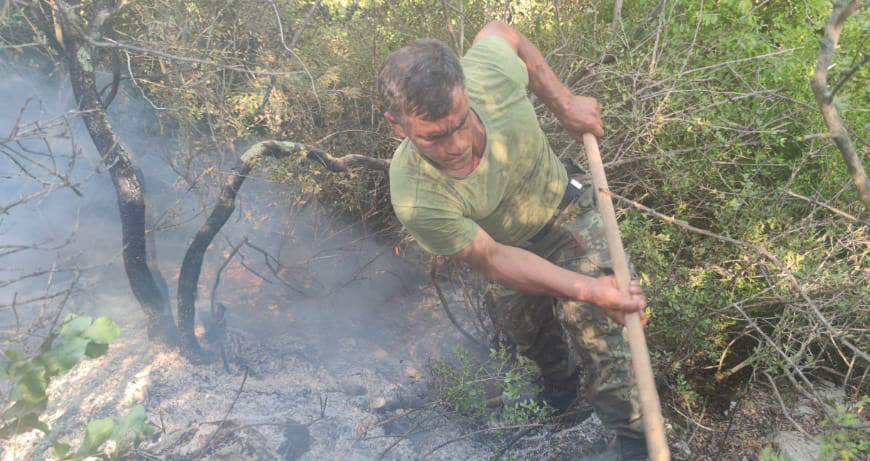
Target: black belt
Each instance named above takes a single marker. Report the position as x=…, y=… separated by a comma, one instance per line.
x=572, y=191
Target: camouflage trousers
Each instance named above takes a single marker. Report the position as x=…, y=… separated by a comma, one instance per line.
x=559, y=333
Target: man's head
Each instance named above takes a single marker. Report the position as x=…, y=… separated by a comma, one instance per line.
x=423, y=90
x=419, y=79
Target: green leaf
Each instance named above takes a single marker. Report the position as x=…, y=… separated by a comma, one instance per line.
x=32, y=384
x=95, y=350
x=25, y=407
x=28, y=422
x=149, y=430
x=103, y=331
x=13, y=355
x=132, y=422
x=22, y=425
x=74, y=325
x=60, y=449
x=35, y=423
x=65, y=355
x=97, y=432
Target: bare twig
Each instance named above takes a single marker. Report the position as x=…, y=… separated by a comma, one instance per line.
x=433, y=273
x=478, y=432
x=275, y=267
x=289, y=49
x=217, y=277
x=207, y=443
x=824, y=205
x=305, y=23
x=782, y=406
x=848, y=75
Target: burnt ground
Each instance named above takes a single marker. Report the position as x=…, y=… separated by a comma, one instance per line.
x=314, y=388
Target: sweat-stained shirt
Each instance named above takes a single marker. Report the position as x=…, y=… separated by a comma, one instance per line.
x=519, y=182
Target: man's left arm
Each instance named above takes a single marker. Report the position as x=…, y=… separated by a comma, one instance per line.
x=578, y=114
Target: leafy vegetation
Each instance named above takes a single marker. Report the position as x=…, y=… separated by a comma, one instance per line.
x=29, y=377
x=846, y=438
x=499, y=391
x=123, y=434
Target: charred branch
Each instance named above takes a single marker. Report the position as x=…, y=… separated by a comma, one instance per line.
x=275, y=266
x=116, y=79
x=217, y=278
x=819, y=83
x=433, y=273
x=192, y=265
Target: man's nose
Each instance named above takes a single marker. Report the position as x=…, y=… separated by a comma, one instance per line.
x=456, y=143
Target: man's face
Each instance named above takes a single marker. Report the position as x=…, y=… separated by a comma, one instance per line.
x=446, y=142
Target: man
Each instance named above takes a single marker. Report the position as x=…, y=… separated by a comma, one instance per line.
x=475, y=179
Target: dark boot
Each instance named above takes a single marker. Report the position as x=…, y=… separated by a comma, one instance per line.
x=621, y=449
x=561, y=395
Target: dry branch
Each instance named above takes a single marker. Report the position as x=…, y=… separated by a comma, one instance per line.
x=433, y=273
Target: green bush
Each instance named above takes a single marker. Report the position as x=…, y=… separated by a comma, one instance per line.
x=845, y=437
x=499, y=391
x=80, y=336
x=124, y=433
x=29, y=378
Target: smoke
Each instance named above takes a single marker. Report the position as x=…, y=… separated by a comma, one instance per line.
x=304, y=270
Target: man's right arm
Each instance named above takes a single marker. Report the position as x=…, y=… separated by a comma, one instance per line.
x=577, y=114
x=526, y=272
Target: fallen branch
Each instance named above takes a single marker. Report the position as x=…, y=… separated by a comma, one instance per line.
x=192, y=265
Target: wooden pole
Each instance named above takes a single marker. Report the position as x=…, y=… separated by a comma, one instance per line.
x=649, y=398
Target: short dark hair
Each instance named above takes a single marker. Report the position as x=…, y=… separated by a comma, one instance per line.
x=419, y=79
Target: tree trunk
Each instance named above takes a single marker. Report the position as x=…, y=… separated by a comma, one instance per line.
x=819, y=83
x=131, y=203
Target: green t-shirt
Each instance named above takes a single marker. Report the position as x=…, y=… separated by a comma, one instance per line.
x=519, y=182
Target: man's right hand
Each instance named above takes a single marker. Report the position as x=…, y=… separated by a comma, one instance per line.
x=579, y=115
x=604, y=293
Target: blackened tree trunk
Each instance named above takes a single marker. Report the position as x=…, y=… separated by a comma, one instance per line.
x=66, y=38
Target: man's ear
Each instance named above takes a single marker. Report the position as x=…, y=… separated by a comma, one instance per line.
x=395, y=124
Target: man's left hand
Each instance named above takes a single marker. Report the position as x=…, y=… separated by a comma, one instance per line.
x=605, y=293
x=579, y=115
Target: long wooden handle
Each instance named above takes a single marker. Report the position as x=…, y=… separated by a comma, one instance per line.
x=649, y=398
